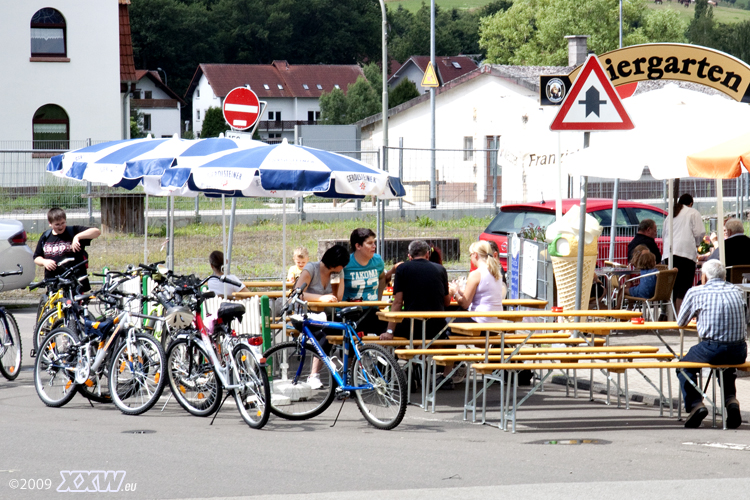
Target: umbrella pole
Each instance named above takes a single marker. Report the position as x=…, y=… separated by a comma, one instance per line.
x=224, y=237
x=720, y=215
x=171, y=234
x=582, y=233
x=558, y=191
x=145, y=232
x=283, y=263
x=232, y=220
x=612, y=233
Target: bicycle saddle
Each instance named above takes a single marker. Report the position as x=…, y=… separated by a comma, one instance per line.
x=228, y=312
x=100, y=328
x=348, y=312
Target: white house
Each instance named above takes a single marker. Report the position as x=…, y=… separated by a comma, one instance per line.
x=67, y=69
x=446, y=69
x=158, y=104
x=488, y=104
x=292, y=92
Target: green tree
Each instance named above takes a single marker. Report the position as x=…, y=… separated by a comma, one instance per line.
x=406, y=90
x=374, y=75
x=333, y=108
x=136, y=124
x=702, y=28
x=361, y=100
x=213, y=123
x=532, y=32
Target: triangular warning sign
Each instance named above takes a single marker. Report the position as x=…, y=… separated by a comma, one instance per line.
x=592, y=103
x=430, y=77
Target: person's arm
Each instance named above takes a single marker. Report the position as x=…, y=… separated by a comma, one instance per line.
x=396, y=305
x=89, y=234
x=305, y=278
x=464, y=298
x=48, y=264
x=381, y=285
x=686, y=310
x=391, y=272
x=699, y=230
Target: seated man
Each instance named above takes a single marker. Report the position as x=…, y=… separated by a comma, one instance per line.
x=646, y=236
x=736, y=244
x=720, y=310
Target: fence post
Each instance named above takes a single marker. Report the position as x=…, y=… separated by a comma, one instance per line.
x=493, y=162
x=89, y=200
x=197, y=210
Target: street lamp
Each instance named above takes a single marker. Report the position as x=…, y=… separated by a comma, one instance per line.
x=385, y=85
x=165, y=76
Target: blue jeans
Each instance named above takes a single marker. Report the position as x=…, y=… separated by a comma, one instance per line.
x=715, y=353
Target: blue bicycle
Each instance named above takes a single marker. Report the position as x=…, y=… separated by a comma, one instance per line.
x=305, y=380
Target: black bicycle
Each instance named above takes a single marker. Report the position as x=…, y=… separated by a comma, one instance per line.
x=10, y=338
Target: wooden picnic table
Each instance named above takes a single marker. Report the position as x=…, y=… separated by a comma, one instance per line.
x=273, y=294
x=320, y=306
x=399, y=316
x=266, y=284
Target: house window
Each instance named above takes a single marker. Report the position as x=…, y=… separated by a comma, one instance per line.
x=317, y=116
x=48, y=34
x=274, y=116
x=313, y=116
x=136, y=94
x=146, y=122
x=148, y=94
x=265, y=86
x=51, y=128
x=198, y=114
x=336, y=86
x=320, y=87
x=468, y=148
x=280, y=86
x=304, y=86
x=197, y=93
x=456, y=65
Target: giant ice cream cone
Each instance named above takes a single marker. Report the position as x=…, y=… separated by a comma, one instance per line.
x=565, y=276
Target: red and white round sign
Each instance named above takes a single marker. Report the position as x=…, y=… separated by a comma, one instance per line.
x=241, y=108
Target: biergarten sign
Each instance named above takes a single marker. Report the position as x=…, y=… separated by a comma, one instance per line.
x=664, y=61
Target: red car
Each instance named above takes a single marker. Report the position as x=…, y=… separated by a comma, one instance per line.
x=514, y=218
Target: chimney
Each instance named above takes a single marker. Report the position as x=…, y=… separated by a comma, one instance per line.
x=577, y=49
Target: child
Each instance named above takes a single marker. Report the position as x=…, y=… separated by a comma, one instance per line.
x=216, y=261
x=645, y=261
x=301, y=257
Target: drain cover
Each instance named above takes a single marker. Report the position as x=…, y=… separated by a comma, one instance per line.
x=571, y=441
x=139, y=431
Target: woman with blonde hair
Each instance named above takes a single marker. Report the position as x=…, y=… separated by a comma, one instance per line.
x=484, y=290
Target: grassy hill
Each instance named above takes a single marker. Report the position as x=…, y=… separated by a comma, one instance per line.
x=723, y=13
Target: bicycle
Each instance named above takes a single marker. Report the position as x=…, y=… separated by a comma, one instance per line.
x=377, y=381
x=204, y=358
x=10, y=338
x=132, y=361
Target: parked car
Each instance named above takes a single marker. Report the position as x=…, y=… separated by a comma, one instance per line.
x=15, y=251
x=514, y=218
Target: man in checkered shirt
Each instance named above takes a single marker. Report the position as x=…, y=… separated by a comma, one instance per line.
x=720, y=310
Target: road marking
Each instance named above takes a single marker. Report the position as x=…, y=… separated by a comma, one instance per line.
x=726, y=446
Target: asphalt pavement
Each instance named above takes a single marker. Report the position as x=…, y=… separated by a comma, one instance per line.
x=565, y=447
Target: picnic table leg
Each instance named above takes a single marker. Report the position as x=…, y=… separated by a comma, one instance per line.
x=679, y=392
x=661, y=392
x=713, y=393
x=515, y=398
x=720, y=373
x=669, y=388
x=627, y=394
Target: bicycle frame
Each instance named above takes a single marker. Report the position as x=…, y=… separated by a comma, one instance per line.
x=349, y=335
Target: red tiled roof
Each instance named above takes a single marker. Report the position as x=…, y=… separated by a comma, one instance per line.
x=127, y=65
x=281, y=78
x=156, y=78
x=446, y=71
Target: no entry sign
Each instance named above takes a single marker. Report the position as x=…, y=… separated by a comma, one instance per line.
x=241, y=108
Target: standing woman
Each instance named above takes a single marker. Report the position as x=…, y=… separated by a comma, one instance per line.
x=688, y=233
x=484, y=289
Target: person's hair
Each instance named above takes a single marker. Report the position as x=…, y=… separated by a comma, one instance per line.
x=734, y=226
x=636, y=252
x=301, y=252
x=335, y=256
x=436, y=255
x=714, y=269
x=645, y=260
x=359, y=236
x=645, y=225
x=418, y=248
x=56, y=214
x=216, y=259
x=494, y=247
x=684, y=200
x=484, y=251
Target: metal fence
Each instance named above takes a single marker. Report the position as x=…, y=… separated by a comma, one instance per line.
x=468, y=190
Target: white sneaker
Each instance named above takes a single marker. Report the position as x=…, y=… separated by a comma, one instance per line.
x=460, y=375
x=314, y=381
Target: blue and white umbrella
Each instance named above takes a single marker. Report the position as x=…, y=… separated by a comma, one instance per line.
x=136, y=162
x=282, y=170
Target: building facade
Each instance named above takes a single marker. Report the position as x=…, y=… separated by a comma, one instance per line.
x=157, y=105
x=291, y=92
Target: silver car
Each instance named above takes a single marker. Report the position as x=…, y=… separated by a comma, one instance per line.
x=14, y=252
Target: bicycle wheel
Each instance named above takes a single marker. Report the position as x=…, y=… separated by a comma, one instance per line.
x=385, y=404
x=54, y=368
x=292, y=397
x=252, y=398
x=135, y=374
x=192, y=378
x=10, y=350
x=51, y=320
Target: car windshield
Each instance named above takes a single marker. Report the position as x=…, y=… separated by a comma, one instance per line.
x=514, y=220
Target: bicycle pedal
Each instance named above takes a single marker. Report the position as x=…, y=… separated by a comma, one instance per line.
x=340, y=395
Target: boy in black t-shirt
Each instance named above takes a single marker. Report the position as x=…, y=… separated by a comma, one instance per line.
x=62, y=241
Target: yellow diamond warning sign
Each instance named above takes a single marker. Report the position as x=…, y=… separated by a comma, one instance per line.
x=430, y=77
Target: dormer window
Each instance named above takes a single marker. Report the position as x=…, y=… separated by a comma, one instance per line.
x=320, y=87
x=304, y=86
x=48, y=34
x=336, y=86
x=279, y=86
x=265, y=86
x=456, y=65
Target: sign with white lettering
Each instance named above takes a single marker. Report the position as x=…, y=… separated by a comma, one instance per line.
x=241, y=108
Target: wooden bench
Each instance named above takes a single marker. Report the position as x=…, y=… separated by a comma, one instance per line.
x=488, y=369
